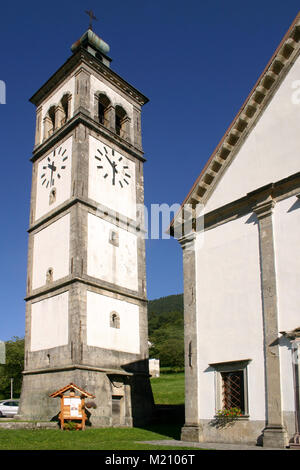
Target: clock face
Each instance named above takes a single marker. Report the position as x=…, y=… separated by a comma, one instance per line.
x=53, y=178
x=113, y=166
x=54, y=166
x=112, y=178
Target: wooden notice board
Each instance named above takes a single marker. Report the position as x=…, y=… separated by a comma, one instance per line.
x=72, y=407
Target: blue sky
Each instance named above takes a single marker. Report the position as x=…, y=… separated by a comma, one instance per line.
x=196, y=61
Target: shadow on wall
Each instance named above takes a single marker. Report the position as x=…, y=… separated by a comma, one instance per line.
x=166, y=419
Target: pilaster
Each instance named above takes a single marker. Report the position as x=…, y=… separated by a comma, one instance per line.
x=59, y=116
x=137, y=128
x=125, y=131
x=48, y=127
x=275, y=434
x=82, y=92
x=38, y=128
x=191, y=430
x=296, y=365
x=110, y=116
x=294, y=338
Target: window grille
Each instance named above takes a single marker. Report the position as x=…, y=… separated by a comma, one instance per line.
x=233, y=390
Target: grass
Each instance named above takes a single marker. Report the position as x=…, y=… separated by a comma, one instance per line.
x=90, y=439
x=168, y=389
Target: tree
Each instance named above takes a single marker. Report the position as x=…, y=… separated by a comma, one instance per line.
x=171, y=353
x=165, y=321
x=13, y=367
x=168, y=342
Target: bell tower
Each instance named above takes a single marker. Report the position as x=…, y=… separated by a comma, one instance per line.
x=86, y=306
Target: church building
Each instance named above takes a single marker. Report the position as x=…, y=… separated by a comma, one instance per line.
x=86, y=315
x=242, y=270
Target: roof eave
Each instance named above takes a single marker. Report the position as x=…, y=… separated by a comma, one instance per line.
x=247, y=115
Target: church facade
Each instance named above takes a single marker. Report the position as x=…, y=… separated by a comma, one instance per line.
x=242, y=273
x=86, y=315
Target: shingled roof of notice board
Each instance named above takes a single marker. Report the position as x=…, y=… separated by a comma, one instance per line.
x=71, y=386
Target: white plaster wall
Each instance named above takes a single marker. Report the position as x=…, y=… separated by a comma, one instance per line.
x=287, y=382
x=49, y=322
x=286, y=227
x=67, y=87
x=62, y=185
x=270, y=152
x=97, y=86
x=229, y=310
x=115, y=264
x=286, y=238
x=120, y=199
x=101, y=334
x=51, y=250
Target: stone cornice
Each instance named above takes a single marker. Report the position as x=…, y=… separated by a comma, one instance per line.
x=265, y=208
x=82, y=56
x=259, y=201
x=82, y=367
x=107, y=214
x=87, y=280
x=273, y=75
x=82, y=118
x=292, y=335
x=187, y=241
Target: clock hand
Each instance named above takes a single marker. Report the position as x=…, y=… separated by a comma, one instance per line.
x=109, y=161
x=52, y=168
x=114, y=167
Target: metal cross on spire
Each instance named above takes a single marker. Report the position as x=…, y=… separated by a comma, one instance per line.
x=92, y=17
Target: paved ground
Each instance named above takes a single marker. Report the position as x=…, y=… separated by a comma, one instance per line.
x=208, y=445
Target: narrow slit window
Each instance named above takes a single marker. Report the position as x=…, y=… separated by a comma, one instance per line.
x=114, y=320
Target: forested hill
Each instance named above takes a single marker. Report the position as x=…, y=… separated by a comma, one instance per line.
x=165, y=324
x=164, y=310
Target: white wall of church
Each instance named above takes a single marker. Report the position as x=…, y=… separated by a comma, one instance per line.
x=121, y=200
x=112, y=262
x=51, y=250
x=270, y=152
x=62, y=185
x=49, y=322
x=100, y=333
x=286, y=238
x=287, y=382
x=229, y=310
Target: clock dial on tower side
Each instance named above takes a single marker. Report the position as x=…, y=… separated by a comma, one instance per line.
x=53, y=179
x=54, y=167
x=113, y=166
x=112, y=178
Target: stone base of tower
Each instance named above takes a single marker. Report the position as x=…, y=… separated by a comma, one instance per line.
x=121, y=399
